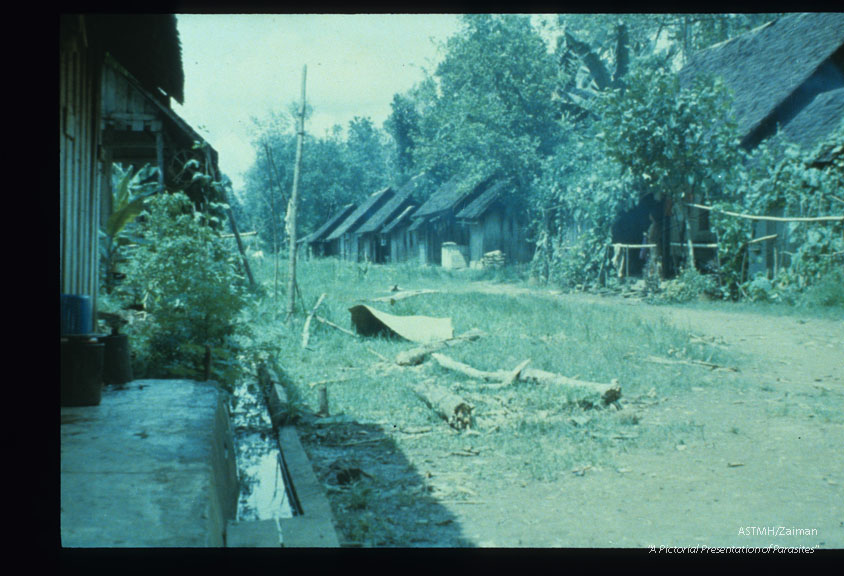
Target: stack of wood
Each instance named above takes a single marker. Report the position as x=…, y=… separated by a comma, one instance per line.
x=495, y=259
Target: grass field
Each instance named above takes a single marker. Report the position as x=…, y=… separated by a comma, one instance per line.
x=534, y=425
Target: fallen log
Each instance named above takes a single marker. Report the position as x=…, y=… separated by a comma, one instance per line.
x=609, y=393
x=416, y=356
x=449, y=406
x=466, y=370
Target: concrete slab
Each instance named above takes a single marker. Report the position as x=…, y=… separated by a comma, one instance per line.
x=254, y=534
x=152, y=465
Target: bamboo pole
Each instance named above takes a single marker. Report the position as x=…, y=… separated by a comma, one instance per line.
x=294, y=199
x=772, y=218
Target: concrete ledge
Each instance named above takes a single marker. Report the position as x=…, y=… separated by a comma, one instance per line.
x=152, y=466
x=314, y=528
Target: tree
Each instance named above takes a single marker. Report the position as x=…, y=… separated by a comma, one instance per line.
x=488, y=108
x=403, y=126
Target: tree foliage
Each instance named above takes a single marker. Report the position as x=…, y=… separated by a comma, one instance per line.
x=489, y=106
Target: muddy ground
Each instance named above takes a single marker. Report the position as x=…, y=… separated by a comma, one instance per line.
x=765, y=468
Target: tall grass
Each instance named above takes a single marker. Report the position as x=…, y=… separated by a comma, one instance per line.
x=533, y=425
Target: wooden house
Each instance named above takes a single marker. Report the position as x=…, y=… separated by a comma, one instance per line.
x=435, y=221
x=343, y=241
x=316, y=242
x=402, y=242
x=148, y=48
x=139, y=127
x=372, y=238
x=787, y=81
x=495, y=225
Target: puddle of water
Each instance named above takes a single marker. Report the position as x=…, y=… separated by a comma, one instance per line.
x=263, y=495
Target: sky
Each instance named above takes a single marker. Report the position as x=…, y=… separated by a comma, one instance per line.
x=244, y=66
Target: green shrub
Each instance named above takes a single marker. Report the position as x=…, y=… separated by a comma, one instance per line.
x=186, y=280
x=688, y=286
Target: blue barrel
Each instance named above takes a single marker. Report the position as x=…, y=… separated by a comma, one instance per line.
x=76, y=314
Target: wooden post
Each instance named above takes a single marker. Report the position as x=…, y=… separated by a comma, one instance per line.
x=294, y=199
x=159, y=153
x=323, y=400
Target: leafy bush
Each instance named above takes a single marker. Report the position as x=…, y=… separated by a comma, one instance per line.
x=186, y=281
x=688, y=286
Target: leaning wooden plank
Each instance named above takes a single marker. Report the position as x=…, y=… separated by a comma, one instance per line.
x=306, y=331
x=416, y=356
x=609, y=393
x=449, y=406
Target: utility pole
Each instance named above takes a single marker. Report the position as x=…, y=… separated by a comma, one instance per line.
x=294, y=199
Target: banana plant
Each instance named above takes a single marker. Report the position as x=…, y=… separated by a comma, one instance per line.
x=128, y=198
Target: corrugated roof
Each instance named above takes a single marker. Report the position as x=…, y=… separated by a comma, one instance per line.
x=357, y=217
x=476, y=208
x=392, y=207
x=765, y=66
x=329, y=225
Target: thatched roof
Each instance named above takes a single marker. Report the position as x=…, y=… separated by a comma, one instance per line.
x=362, y=212
x=329, y=226
x=765, y=66
x=444, y=198
x=477, y=207
x=817, y=120
x=403, y=216
x=147, y=45
x=392, y=207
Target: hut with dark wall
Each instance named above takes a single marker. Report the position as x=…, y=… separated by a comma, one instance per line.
x=435, y=221
x=343, y=240
x=402, y=242
x=787, y=81
x=316, y=242
x=494, y=224
x=147, y=47
x=375, y=245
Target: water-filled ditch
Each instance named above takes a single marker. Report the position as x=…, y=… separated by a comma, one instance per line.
x=263, y=492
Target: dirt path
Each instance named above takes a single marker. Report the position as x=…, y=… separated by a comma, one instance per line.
x=765, y=471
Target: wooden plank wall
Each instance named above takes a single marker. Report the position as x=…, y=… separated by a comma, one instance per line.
x=78, y=167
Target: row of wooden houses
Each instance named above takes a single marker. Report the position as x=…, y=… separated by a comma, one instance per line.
x=454, y=226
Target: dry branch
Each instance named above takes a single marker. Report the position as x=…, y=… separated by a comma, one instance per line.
x=416, y=356
x=402, y=295
x=674, y=361
x=306, y=334
x=449, y=406
x=335, y=326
